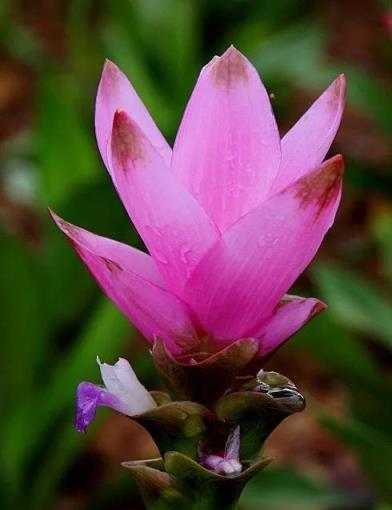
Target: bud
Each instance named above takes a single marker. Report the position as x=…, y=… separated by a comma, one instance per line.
x=228, y=462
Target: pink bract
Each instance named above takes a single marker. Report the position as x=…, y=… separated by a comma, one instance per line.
x=231, y=216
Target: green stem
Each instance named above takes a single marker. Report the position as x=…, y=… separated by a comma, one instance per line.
x=214, y=503
x=199, y=503
x=208, y=498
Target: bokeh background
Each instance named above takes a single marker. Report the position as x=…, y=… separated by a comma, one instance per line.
x=54, y=320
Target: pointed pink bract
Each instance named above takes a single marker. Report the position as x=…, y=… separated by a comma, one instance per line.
x=132, y=281
x=174, y=227
x=288, y=317
x=227, y=150
x=304, y=147
x=244, y=275
x=115, y=92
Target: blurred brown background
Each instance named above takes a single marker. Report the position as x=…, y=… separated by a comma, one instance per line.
x=54, y=321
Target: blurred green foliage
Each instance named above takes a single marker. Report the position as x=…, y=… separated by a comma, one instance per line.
x=54, y=321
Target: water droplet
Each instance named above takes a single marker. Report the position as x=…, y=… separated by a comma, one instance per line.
x=161, y=258
x=185, y=255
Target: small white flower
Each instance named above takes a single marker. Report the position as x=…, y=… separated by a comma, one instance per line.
x=120, y=380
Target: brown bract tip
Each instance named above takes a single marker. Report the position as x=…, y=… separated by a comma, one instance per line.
x=71, y=231
x=287, y=299
x=127, y=142
x=230, y=67
x=320, y=186
x=110, y=70
x=317, y=308
x=338, y=90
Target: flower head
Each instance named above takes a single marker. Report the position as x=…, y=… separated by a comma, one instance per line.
x=231, y=216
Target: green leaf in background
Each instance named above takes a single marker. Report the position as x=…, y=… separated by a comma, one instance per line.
x=297, y=54
x=336, y=348
x=102, y=335
x=66, y=151
x=350, y=362
x=275, y=489
x=23, y=330
x=60, y=454
x=84, y=57
x=374, y=450
x=382, y=231
x=17, y=39
x=355, y=302
x=367, y=387
x=178, y=23
x=119, y=45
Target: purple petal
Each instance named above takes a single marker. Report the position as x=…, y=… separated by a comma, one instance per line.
x=227, y=462
x=232, y=448
x=211, y=461
x=88, y=397
x=222, y=466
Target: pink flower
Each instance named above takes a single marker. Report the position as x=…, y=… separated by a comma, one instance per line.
x=231, y=216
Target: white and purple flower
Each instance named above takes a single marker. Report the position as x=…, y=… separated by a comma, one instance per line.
x=122, y=391
x=226, y=462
